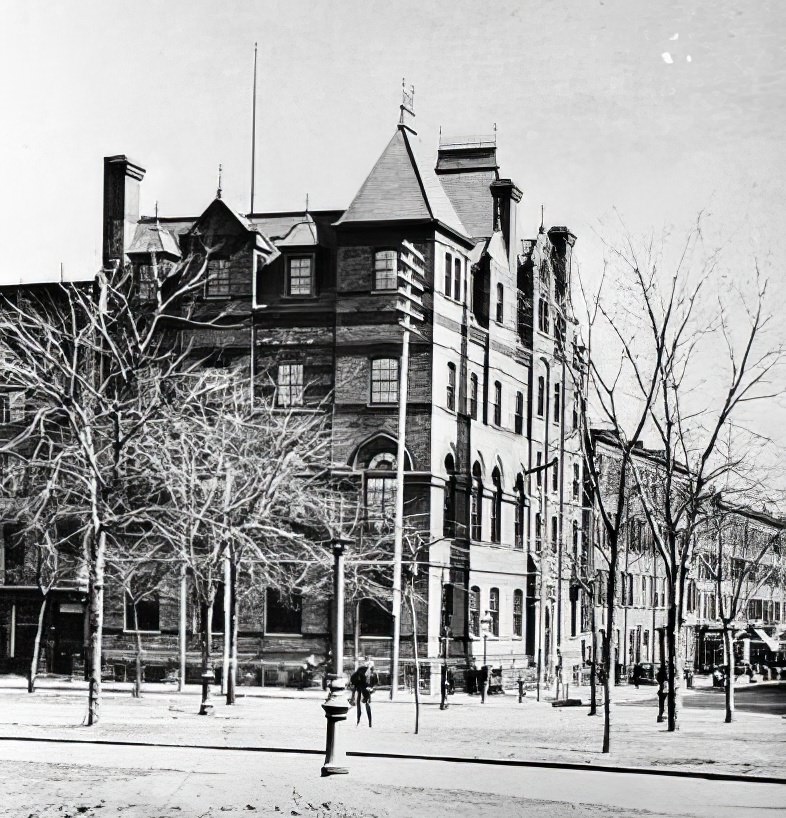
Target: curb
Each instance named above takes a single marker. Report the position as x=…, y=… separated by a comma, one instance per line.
x=498, y=762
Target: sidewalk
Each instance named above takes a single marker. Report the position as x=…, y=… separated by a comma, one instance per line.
x=502, y=728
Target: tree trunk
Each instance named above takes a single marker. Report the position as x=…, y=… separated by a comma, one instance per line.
x=182, y=635
x=608, y=651
x=593, y=711
x=206, y=628
x=96, y=623
x=37, y=645
x=417, y=660
x=356, y=635
x=673, y=668
x=728, y=641
x=232, y=635
x=137, y=689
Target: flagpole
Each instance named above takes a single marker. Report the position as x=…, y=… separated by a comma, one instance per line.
x=253, y=129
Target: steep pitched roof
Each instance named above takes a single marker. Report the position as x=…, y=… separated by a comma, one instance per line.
x=152, y=238
x=402, y=187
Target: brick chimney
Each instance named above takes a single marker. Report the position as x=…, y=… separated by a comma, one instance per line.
x=506, y=196
x=121, y=206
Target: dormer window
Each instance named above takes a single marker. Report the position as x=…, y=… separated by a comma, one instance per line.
x=300, y=275
x=385, y=270
x=217, y=284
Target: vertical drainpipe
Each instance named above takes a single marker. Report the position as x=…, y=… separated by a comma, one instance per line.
x=561, y=517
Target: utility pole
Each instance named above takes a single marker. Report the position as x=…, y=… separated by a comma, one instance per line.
x=409, y=306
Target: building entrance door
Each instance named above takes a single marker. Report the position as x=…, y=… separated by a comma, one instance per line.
x=68, y=636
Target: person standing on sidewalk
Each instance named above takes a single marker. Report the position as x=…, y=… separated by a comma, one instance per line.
x=483, y=683
x=364, y=681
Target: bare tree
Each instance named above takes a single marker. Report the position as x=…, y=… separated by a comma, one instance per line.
x=85, y=353
x=740, y=552
x=681, y=333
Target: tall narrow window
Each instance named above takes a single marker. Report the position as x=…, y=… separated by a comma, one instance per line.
x=451, y=396
x=497, y=403
x=576, y=482
x=494, y=611
x=385, y=272
x=575, y=411
x=557, y=402
x=473, y=396
x=289, y=389
x=575, y=543
x=543, y=315
x=541, y=395
x=457, y=279
x=474, y=611
x=538, y=533
x=217, y=283
x=519, y=419
x=518, y=611
x=476, y=505
x=500, y=303
x=449, y=508
x=519, y=521
x=300, y=275
x=384, y=380
x=555, y=477
x=539, y=472
x=448, y=272
x=554, y=535
x=496, y=507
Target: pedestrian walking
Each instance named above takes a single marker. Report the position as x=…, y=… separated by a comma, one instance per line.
x=483, y=683
x=472, y=678
x=364, y=681
x=637, y=674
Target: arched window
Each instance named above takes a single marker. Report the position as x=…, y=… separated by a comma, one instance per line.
x=457, y=279
x=380, y=489
x=519, y=524
x=474, y=611
x=449, y=509
x=500, y=303
x=451, y=392
x=476, y=508
x=494, y=611
x=473, y=396
x=496, y=507
x=541, y=396
x=497, y=403
x=518, y=614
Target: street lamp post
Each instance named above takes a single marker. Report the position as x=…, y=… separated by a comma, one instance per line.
x=485, y=627
x=337, y=704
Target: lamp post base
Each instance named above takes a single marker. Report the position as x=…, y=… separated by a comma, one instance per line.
x=336, y=708
x=206, y=705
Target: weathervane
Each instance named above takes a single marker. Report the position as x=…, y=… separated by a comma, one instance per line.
x=218, y=192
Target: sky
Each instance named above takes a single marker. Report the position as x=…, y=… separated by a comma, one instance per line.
x=608, y=112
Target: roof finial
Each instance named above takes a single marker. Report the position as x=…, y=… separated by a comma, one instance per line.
x=220, y=169
x=407, y=101
x=542, y=229
x=156, y=212
x=306, y=202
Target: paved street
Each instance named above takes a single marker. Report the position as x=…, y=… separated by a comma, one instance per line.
x=99, y=781
x=185, y=780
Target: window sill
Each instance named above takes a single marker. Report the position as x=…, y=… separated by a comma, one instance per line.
x=284, y=635
x=131, y=630
x=386, y=291
x=370, y=636
x=293, y=297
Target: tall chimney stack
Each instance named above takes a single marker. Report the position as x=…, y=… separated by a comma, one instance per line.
x=121, y=206
x=506, y=196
